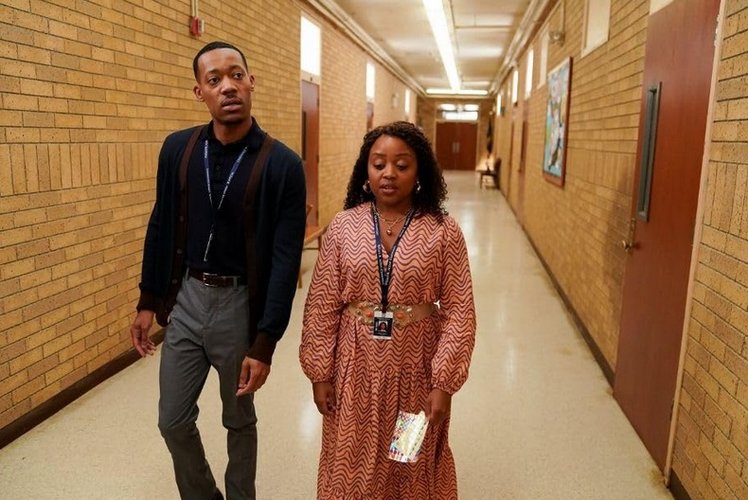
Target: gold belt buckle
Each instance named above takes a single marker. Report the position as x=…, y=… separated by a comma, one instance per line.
x=364, y=312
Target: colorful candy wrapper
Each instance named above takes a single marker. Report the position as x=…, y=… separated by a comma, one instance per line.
x=410, y=429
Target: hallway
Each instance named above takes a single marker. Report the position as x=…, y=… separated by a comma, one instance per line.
x=536, y=419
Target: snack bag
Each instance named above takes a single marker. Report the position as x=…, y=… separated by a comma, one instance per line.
x=407, y=438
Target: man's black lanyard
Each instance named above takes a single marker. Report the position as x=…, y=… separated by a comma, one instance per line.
x=215, y=209
x=385, y=274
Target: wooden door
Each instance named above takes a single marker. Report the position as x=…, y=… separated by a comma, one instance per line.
x=369, y=116
x=677, y=73
x=446, y=132
x=522, y=164
x=455, y=145
x=310, y=146
x=467, y=138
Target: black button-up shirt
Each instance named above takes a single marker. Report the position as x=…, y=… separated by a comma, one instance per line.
x=227, y=253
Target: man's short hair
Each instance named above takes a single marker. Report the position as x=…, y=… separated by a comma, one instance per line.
x=214, y=46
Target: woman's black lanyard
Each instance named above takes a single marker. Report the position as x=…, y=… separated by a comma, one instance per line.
x=385, y=274
x=215, y=209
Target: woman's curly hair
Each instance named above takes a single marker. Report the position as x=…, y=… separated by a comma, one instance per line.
x=433, y=193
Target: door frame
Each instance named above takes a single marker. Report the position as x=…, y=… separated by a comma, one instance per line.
x=310, y=141
x=697, y=237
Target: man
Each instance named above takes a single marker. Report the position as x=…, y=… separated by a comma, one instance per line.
x=220, y=263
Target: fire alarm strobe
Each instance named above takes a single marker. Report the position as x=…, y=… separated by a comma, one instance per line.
x=197, y=26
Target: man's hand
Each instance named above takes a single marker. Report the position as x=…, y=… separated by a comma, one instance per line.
x=324, y=397
x=253, y=376
x=139, y=333
x=437, y=406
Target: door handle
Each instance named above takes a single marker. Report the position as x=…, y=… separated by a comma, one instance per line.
x=629, y=244
x=646, y=163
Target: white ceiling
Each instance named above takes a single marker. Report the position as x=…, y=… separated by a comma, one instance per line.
x=482, y=32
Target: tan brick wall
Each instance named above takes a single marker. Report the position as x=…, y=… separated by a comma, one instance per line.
x=389, y=101
x=343, y=88
x=343, y=112
x=577, y=228
x=87, y=94
x=711, y=440
x=427, y=117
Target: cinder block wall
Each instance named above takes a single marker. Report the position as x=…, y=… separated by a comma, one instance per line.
x=577, y=228
x=711, y=441
x=87, y=94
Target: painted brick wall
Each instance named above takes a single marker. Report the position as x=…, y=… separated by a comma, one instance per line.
x=88, y=91
x=577, y=228
x=711, y=441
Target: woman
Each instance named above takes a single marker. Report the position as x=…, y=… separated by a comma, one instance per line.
x=374, y=341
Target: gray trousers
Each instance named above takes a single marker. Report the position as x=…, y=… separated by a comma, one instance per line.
x=208, y=328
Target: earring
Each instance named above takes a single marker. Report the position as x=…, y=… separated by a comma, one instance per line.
x=418, y=187
x=367, y=187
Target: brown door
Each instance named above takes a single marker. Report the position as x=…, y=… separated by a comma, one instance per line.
x=369, y=116
x=522, y=165
x=455, y=145
x=677, y=77
x=510, y=163
x=310, y=146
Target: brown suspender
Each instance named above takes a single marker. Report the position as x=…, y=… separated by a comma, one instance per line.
x=181, y=230
x=249, y=216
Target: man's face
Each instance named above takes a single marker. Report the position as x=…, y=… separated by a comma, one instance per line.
x=225, y=86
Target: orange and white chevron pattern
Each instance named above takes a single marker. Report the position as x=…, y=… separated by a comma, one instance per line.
x=374, y=379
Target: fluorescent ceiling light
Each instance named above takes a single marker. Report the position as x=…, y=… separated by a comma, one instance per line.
x=438, y=21
x=447, y=107
x=456, y=92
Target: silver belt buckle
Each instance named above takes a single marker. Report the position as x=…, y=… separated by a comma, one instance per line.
x=206, y=275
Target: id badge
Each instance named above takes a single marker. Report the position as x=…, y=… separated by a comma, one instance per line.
x=382, y=328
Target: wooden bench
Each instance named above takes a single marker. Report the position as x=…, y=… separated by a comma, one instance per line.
x=492, y=172
x=310, y=234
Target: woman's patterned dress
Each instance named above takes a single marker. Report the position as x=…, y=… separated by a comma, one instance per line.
x=374, y=378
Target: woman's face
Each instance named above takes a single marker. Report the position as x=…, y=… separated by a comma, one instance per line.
x=393, y=171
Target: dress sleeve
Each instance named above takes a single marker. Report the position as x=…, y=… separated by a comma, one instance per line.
x=324, y=305
x=457, y=310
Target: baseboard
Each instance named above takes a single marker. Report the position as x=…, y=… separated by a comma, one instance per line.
x=676, y=487
x=56, y=403
x=596, y=352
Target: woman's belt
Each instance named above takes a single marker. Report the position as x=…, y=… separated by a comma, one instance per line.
x=403, y=314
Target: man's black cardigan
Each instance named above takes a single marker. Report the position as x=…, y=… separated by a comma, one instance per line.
x=280, y=217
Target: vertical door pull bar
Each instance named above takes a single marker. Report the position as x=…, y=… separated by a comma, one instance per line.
x=648, y=150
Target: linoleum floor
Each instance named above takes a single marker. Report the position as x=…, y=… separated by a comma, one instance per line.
x=536, y=419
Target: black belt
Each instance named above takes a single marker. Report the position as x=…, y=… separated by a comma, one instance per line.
x=217, y=280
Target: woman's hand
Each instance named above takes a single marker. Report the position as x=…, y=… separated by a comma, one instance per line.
x=324, y=397
x=438, y=405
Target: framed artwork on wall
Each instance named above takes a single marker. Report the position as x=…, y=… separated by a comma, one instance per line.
x=556, y=123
